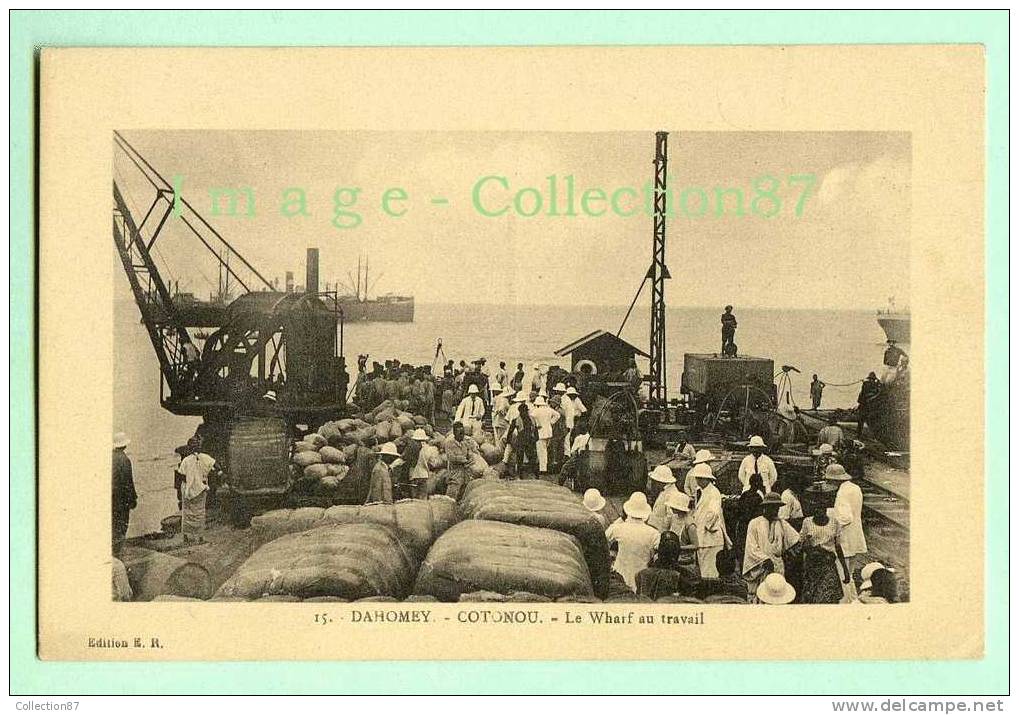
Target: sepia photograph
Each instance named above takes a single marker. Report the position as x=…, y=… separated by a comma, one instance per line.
x=511, y=367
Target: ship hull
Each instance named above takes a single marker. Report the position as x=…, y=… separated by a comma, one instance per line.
x=378, y=312
x=896, y=327
x=889, y=418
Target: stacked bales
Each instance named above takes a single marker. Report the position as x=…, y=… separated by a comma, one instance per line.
x=348, y=561
x=417, y=523
x=541, y=504
x=491, y=556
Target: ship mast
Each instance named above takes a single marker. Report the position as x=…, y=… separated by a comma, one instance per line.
x=357, y=294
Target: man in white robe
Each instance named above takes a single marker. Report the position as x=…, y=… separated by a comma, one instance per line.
x=848, y=512
x=768, y=539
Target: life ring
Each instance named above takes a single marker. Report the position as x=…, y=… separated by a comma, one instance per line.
x=586, y=367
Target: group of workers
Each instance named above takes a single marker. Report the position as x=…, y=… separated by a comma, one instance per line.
x=683, y=536
x=396, y=381
x=194, y=476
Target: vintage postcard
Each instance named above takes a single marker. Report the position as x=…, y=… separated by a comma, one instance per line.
x=511, y=353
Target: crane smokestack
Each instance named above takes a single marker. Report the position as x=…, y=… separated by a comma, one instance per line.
x=311, y=279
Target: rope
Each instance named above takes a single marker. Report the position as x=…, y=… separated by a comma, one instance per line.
x=843, y=384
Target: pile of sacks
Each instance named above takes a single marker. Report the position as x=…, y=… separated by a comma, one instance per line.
x=323, y=458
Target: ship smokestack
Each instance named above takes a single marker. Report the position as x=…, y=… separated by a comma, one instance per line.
x=311, y=279
x=290, y=281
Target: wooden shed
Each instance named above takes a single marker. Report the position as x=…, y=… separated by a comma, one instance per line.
x=600, y=353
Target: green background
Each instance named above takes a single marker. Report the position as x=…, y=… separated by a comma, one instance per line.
x=33, y=29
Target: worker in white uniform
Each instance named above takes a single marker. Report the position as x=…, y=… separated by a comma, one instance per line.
x=471, y=411
x=703, y=456
x=709, y=521
x=544, y=417
x=500, y=408
x=579, y=408
x=636, y=540
x=757, y=462
x=511, y=414
x=537, y=379
x=848, y=512
x=569, y=413
x=660, y=511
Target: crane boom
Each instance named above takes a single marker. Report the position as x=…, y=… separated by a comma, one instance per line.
x=151, y=293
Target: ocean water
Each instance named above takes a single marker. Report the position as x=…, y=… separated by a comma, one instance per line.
x=840, y=346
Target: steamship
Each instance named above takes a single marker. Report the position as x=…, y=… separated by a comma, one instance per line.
x=352, y=298
x=894, y=322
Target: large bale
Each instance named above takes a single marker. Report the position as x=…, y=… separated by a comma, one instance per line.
x=149, y=572
x=417, y=523
x=349, y=561
x=274, y=524
x=121, y=583
x=503, y=558
x=548, y=506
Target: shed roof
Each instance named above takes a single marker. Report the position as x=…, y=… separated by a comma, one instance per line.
x=597, y=334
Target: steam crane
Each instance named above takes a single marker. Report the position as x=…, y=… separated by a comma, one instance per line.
x=253, y=367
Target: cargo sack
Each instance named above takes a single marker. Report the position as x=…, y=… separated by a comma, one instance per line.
x=491, y=453
x=477, y=466
x=316, y=471
x=306, y=459
x=331, y=455
x=532, y=502
x=349, y=561
x=329, y=432
x=417, y=523
x=503, y=558
x=316, y=439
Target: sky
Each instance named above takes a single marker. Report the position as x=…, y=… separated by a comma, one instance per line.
x=847, y=246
